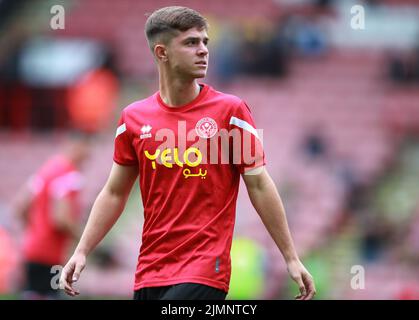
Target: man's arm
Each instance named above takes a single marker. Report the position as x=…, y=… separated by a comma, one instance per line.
x=61, y=215
x=21, y=204
x=105, y=212
x=268, y=204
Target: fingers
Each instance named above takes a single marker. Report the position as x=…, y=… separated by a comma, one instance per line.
x=311, y=290
x=304, y=280
x=306, y=286
x=301, y=287
x=64, y=283
x=70, y=290
x=66, y=280
x=78, y=269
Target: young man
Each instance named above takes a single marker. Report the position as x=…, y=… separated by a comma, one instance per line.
x=49, y=207
x=189, y=194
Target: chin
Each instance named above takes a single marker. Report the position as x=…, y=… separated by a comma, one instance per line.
x=200, y=75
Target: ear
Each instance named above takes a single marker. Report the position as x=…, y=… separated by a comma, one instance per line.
x=160, y=52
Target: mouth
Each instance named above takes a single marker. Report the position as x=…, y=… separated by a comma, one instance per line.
x=201, y=63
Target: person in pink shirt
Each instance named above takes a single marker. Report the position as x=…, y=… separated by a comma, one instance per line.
x=49, y=207
x=188, y=144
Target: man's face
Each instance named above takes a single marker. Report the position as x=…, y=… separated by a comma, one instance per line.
x=188, y=53
x=81, y=150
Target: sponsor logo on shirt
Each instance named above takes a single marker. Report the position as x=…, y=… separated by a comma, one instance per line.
x=145, y=131
x=206, y=128
x=237, y=145
x=169, y=157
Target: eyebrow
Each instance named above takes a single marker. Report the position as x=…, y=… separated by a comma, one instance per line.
x=196, y=39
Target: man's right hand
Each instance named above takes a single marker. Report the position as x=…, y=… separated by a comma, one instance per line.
x=71, y=273
x=303, y=278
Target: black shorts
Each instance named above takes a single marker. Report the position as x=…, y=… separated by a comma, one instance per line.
x=181, y=291
x=38, y=279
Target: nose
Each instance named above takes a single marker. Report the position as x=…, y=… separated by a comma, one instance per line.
x=202, y=50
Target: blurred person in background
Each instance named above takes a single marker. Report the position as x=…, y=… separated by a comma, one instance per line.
x=188, y=217
x=48, y=206
x=93, y=98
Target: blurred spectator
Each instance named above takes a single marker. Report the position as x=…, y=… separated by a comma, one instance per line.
x=227, y=65
x=8, y=260
x=310, y=41
x=411, y=241
x=48, y=206
x=398, y=69
x=256, y=50
x=358, y=197
x=403, y=67
x=92, y=100
x=315, y=144
x=408, y=292
x=303, y=35
x=324, y=4
x=7, y=8
x=248, y=269
x=376, y=234
x=262, y=52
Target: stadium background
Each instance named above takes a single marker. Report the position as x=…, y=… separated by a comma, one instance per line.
x=339, y=108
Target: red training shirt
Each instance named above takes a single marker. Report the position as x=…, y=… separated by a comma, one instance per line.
x=189, y=180
x=44, y=243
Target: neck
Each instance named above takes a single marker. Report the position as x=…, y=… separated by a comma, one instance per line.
x=70, y=156
x=176, y=92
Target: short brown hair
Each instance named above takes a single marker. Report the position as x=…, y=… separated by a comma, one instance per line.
x=165, y=23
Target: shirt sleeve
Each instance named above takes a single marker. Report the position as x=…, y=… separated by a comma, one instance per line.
x=65, y=185
x=124, y=153
x=247, y=144
x=35, y=184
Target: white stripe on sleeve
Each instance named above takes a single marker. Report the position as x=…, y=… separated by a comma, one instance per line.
x=244, y=125
x=121, y=129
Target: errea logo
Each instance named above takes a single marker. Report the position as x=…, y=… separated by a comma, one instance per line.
x=145, y=131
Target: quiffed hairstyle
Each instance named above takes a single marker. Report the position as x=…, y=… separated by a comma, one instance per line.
x=165, y=23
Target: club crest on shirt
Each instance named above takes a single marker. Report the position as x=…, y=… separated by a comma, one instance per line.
x=206, y=128
x=145, y=131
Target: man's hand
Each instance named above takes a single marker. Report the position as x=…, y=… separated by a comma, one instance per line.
x=71, y=273
x=303, y=278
